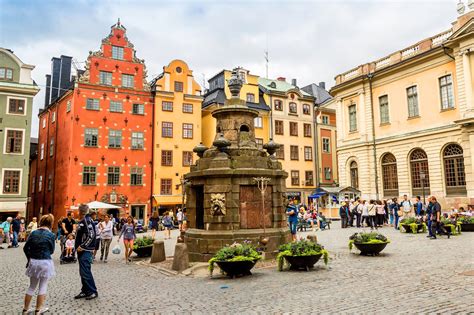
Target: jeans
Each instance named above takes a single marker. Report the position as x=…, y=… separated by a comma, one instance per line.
x=343, y=222
x=292, y=225
x=396, y=222
x=429, y=228
x=365, y=218
x=373, y=221
x=391, y=219
x=15, y=239
x=358, y=217
x=104, y=246
x=87, y=280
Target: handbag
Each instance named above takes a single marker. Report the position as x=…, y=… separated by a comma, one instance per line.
x=400, y=213
x=116, y=250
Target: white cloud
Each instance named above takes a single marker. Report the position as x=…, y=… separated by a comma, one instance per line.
x=308, y=40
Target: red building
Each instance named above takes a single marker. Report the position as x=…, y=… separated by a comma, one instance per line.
x=95, y=134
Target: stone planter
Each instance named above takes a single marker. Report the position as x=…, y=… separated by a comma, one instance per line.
x=407, y=228
x=467, y=227
x=302, y=262
x=144, y=251
x=236, y=268
x=371, y=249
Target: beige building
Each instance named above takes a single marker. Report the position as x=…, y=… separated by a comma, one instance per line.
x=405, y=122
x=292, y=121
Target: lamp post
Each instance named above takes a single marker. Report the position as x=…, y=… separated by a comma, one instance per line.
x=262, y=183
x=422, y=178
x=183, y=182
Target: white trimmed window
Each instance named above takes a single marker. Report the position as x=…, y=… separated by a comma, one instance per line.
x=446, y=92
x=128, y=81
x=384, y=112
x=412, y=99
x=117, y=52
x=116, y=107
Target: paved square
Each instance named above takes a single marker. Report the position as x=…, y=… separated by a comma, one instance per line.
x=413, y=275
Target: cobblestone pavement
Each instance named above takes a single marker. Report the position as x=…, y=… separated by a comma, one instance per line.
x=412, y=275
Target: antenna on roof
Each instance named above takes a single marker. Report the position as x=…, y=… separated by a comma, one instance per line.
x=266, y=59
x=203, y=81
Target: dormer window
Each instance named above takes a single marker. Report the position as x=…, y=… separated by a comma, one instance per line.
x=117, y=52
x=273, y=85
x=243, y=75
x=6, y=74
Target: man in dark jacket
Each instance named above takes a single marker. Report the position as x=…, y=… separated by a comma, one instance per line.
x=85, y=245
x=344, y=214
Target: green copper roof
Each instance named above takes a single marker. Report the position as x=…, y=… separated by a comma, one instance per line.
x=279, y=86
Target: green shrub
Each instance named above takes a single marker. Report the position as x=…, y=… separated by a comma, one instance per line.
x=301, y=248
x=236, y=252
x=143, y=242
x=367, y=238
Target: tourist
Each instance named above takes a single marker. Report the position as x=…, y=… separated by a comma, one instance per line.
x=309, y=218
x=85, y=245
x=168, y=224
x=429, y=211
x=418, y=206
x=359, y=210
x=7, y=229
x=68, y=226
x=106, y=228
x=154, y=223
x=40, y=267
x=436, y=219
x=386, y=212
x=395, y=208
x=129, y=236
x=97, y=233
x=351, y=216
x=292, y=213
x=365, y=212
x=70, y=245
x=323, y=223
x=16, y=228
x=380, y=212
x=179, y=217
x=33, y=225
x=60, y=227
x=372, y=211
x=406, y=206
x=344, y=214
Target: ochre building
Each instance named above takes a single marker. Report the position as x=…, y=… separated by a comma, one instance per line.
x=405, y=122
x=177, y=130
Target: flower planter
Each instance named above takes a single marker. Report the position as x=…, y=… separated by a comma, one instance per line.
x=467, y=227
x=407, y=228
x=302, y=262
x=372, y=249
x=143, y=251
x=236, y=268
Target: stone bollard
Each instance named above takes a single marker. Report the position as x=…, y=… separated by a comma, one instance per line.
x=158, y=252
x=312, y=238
x=181, y=257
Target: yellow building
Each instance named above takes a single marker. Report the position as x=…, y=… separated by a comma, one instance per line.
x=292, y=120
x=177, y=130
x=405, y=122
x=251, y=93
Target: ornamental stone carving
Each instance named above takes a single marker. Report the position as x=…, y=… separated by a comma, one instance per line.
x=218, y=204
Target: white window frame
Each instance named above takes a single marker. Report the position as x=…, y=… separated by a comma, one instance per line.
x=53, y=117
x=120, y=48
x=323, y=117
x=44, y=122
x=42, y=151
x=388, y=109
x=329, y=144
x=16, y=98
x=40, y=183
x=258, y=122
x=22, y=141
x=417, y=101
x=439, y=92
x=20, y=184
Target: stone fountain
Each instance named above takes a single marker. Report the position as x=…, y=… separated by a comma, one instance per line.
x=224, y=203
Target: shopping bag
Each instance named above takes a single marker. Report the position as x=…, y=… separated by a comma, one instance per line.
x=116, y=250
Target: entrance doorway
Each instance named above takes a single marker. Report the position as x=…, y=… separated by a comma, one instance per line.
x=199, y=191
x=251, y=207
x=138, y=212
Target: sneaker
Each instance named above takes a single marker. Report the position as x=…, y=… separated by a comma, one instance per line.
x=81, y=296
x=42, y=311
x=105, y=261
x=92, y=296
x=101, y=258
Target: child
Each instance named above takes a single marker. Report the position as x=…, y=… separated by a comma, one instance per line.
x=69, y=244
x=1, y=238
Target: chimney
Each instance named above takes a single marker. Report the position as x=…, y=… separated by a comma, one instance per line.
x=281, y=79
x=65, y=74
x=47, y=95
x=293, y=82
x=322, y=85
x=55, y=73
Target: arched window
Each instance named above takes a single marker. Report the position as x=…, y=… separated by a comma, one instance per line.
x=354, y=171
x=389, y=175
x=454, y=175
x=419, y=168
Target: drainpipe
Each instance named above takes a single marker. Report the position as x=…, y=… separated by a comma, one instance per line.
x=370, y=76
x=44, y=184
x=153, y=147
x=271, y=117
x=316, y=144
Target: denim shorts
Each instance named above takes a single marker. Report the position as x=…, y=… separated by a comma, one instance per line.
x=292, y=227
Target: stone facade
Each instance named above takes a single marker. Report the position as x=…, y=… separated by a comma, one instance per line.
x=443, y=116
x=224, y=203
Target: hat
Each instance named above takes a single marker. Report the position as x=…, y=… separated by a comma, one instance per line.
x=343, y=203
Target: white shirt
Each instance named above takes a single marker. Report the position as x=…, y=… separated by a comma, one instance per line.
x=106, y=230
x=179, y=216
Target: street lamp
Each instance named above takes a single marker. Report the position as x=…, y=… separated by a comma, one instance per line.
x=262, y=183
x=183, y=182
x=422, y=178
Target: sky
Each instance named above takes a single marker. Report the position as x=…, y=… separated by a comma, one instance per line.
x=311, y=41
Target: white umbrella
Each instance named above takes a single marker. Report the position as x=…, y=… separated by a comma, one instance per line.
x=101, y=205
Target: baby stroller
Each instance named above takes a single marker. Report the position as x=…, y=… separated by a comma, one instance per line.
x=64, y=259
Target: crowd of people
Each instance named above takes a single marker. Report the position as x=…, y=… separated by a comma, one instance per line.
x=375, y=214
